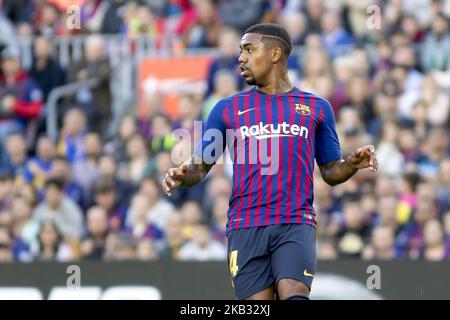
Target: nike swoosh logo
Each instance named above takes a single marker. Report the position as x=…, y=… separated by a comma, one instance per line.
x=244, y=111
x=306, y=274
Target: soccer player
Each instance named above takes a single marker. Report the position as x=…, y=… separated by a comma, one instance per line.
x=271, y=220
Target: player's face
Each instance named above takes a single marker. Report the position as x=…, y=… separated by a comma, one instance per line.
x=255, y=60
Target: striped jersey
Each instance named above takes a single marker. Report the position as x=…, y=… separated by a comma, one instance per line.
x=273, y=141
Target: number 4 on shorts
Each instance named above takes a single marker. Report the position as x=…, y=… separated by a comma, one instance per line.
x=233, y=263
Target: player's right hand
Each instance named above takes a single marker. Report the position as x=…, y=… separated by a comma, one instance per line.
x=173, y=178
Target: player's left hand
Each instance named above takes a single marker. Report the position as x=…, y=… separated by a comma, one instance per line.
x=364, y=157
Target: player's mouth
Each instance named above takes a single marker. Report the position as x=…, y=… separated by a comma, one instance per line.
x=244, y=70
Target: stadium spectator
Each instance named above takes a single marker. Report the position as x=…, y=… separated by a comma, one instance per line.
x=94, y=242
x=45, y=69
x=51, y=245
x=15, y=157
x=38, y=167
x=59, y=208
x=20, y=97
x=71, y=141
x=96, y=102
x=202, y=246
x=436, y=249
x=174, y=238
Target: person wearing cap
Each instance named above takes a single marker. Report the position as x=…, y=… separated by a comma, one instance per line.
x=20, y=96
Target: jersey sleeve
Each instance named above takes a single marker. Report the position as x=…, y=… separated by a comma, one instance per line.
x=213, y=141
x=327, y=146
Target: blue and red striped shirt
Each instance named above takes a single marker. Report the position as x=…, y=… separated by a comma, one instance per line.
x=273, y=141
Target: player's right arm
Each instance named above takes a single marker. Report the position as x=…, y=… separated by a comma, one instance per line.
x=201, y=162
x=186, y=175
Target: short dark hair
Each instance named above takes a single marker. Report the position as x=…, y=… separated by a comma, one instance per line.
x=54, y=182
x=274, y=32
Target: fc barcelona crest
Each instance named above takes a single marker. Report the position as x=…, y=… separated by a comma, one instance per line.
x=302, y=109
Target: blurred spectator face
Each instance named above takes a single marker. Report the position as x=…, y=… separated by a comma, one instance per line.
x=140, y=208
x=146, y=251
x=202, y=235
x=219, y=186
x=426, y=192
x=384, y=50
x=74, y=122
x=229, y=43
x=24, y=29
x=60, y=169
x=97, y=221
x=389, y=132
x=105, y=199
x=107, y=166
x=49, y=15
x=125, y=248
x=205, y=10
x=387, y=207
x=93, y=50
x=425, y=212
x=21, y=209
x=46, y=149
x=358, y=90
x=5, y=218
x=429, y=89
x=439, y=25
x=368, y=204
x=446, y=222
x=48, y=235
x=316, y=63
x=150, y=189
x=352, y=215
x=11, y=66
x=136, y=147
x=383, y=238
x=16, y=145
x=420, y=112
x=404, y=56
x=294, y=23
x=28, y=192
x=6, y=186
x=220, y=209
x=225, y=83
x=53, y=196
x=410, y=26
x=343, y=68
x=42, y=47
x=324, y=87
x=5, y=245
x=385, y=186
x=161, y=125
x=361, y=62
x=191, y=213
x=314, y=8
x=127, y=127
x=314, y=42
x=330, y=21
x=444, y=172
x=433, y=233
x=92, y=145
x=163, y=162
x=438, y=139
x=407, y=140
x=188, y=107
x=174, y=226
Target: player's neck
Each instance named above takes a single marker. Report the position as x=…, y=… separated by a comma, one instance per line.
x=277, y=84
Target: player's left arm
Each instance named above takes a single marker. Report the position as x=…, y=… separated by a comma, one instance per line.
x=341, y=170
x=333, y=168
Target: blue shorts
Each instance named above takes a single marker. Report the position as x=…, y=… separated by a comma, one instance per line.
x=260, y=257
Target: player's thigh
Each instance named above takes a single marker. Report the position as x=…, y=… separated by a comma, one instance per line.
x=249, y=262
x=294, y=256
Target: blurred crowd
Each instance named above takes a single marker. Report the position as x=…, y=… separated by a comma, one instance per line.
x=88, y=195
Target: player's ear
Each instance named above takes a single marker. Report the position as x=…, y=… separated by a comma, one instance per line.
x=276, y=54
